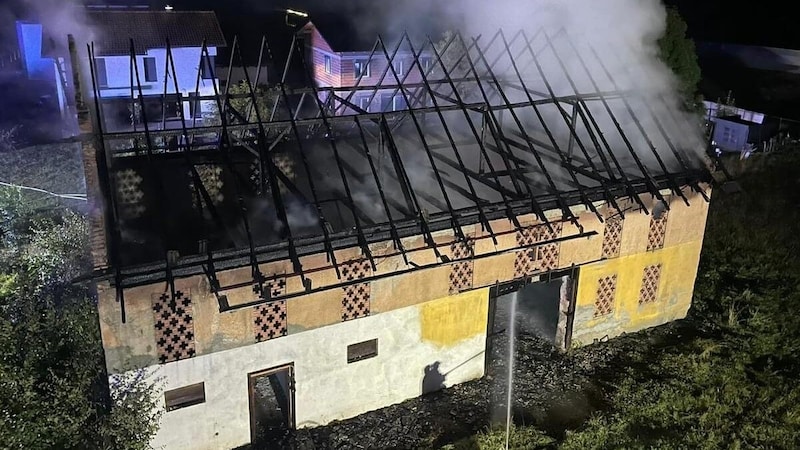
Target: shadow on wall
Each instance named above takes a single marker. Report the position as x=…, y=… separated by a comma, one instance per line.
x=433, y=380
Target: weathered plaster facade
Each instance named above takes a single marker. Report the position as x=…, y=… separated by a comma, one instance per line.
x=421, y=313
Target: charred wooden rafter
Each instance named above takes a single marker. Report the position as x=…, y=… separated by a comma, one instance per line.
x=523, y=164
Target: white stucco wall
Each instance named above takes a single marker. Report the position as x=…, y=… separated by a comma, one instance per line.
x=327, y=387
x=187, y=63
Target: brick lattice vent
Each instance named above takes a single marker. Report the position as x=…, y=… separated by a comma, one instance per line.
x=650, y=280
x=174, y=327
x=542, y=258
x=658, y=231
x=461, y=270
x=355, y=297
x=612, y=237
x=606, y=293
x=269, y=320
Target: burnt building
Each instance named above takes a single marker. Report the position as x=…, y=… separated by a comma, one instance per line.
x=287, y=266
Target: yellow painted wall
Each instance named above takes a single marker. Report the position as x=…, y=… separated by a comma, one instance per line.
x=450, y=320
x=678, y=272
x=445, y=319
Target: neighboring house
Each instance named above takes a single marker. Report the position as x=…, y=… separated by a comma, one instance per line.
x=714, y=110
x=41, y=67
x=732, y=133
x=149, y=30
x=341, y=59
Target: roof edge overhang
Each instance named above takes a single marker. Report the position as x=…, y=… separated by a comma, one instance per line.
x=236, y=258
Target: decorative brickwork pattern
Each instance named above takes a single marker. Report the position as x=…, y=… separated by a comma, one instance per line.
x=461, y=270
x=606, y=292
x=129, y=192
x=282, y=162
x=658, y=231
x=211, y=178
x=540, y=258
x=276, y=287
x=356, y=297
x=174, y=327
x=269, y=320
x=255, y=176
x=612, y=237
x=650, y=281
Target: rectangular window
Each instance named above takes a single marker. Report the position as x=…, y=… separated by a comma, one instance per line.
x=150, y=70
x=362, y=350
x=328, y=64
x=363, y=103
x=185, y=396
x=100, y=72
x=207, y=68
x=425, y=63
x=194, y=106
x=362, y=69
x=398, y=103
x=398, y=67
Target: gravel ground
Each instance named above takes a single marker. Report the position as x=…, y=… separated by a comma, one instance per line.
x=552, y=390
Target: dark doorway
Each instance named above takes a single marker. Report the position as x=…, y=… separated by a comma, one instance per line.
x=271, y=405
x=544, y=309
x=529, y=319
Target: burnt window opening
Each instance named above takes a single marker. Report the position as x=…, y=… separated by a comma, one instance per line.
x=150, y=74
x=362, y=350
x=191, y=395
x=207, y=67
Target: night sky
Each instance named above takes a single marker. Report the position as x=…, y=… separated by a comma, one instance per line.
x=757, y=23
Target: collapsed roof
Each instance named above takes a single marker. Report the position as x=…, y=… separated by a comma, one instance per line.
x=472, y=130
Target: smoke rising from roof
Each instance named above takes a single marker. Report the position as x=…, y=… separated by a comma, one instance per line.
x=615, y=39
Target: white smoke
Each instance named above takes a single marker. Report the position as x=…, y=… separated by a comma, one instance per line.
x=616, y=40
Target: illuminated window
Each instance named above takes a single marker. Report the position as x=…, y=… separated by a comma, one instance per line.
x=328, y=64
x=362, y=69
x=398, y=67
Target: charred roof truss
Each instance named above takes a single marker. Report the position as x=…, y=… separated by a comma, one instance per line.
x=471, y=131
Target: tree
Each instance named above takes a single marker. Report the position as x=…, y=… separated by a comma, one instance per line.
x=53, y=385
x=241, y=109
x=679, y=54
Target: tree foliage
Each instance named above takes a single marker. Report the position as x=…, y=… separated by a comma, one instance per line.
x=53, y=386
x=679, y=54
x=241, y=110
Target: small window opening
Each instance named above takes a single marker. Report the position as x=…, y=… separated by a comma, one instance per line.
x=362, y=350
x=328, y=64
x=185, y=396
x=362, y=69
x=150, y=74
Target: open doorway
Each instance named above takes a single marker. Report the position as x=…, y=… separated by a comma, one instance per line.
x=271, y=395
x=544, y=308
x=530, y=320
